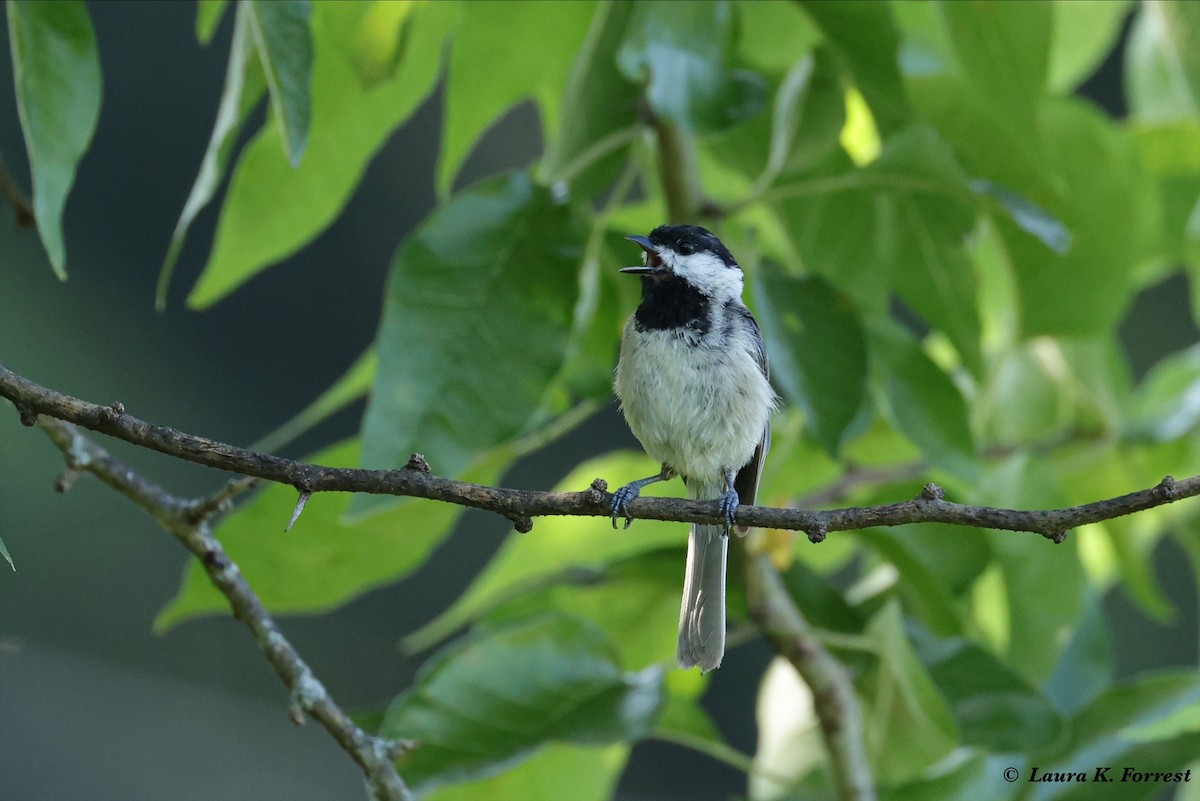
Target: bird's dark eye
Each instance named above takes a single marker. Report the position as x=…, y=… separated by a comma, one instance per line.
x=686, y=248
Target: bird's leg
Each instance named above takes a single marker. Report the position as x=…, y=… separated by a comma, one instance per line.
x=729, y=501
x=626, y=494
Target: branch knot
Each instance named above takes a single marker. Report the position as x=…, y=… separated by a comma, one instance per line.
x=1166, y=489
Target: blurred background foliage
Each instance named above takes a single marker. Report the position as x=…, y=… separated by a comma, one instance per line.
x=971, y=232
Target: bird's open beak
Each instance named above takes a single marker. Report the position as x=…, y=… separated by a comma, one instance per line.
x=653, y=264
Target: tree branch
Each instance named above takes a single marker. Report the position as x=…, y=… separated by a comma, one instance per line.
x=834, y=701
x=521, y=506
x=187, y=521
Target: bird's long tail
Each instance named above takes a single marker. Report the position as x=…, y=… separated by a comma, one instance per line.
x=702, y=615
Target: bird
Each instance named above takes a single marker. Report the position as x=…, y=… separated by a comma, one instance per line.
x=694, y=387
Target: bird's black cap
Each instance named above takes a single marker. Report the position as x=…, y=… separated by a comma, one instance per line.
x=691, y=238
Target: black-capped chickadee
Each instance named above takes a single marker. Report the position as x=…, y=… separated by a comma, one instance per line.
x=692, y=381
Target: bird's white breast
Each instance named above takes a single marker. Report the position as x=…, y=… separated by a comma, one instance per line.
x=697, y=403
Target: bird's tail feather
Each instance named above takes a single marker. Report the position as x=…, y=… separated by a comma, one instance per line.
x=702, y=614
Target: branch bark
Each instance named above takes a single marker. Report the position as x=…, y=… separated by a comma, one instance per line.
x=520, y=506
x=188, y=522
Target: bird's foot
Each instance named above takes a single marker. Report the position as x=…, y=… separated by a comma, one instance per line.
x=729, y=505
x=621, y=500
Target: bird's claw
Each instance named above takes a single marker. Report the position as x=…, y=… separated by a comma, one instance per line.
x=621, y=500
x=728, y=508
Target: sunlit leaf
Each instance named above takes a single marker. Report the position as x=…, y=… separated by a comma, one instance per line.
x=1166, y=404
x=599, y=116
x=561, y=546
x=325, y=560
x=554, y=772
x=57, y=75
x=488, y=701
x=864, y=34
x=272, y=209
x=537, y=49
x=1004, y=50
x=634, y=600
x=1083, y=33
x=208, y=17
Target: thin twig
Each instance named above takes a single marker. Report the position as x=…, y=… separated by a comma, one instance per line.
x=22, y=208
x=929, y=506
x=188, y=522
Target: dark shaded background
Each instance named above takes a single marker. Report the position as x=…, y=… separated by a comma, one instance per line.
x=94, y=706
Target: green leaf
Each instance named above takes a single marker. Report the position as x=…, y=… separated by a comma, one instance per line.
x=1166, y=404
x=1041, y=597
x=807, y=117
x=865, y=36
x=57, y=74
x=1156, y=90
x=324, y=561
x=773, y=36
x=1180, y=26
x=7, y=557
x=994, y=707
x=486, y=702
x=285, y=49
x=1086, y=666
x=1004, y=50
x=479, y=307
x=923, y=589
x=933, y=274
x=537, y=49
x=825, y=213
x=679, y=52
x=1084, y=32
x=1029, y=217
x=208, y=17
x=1110, y=732
x=817, y=347
x=911, y=724
x=921, y=401
x=554, y=772
x=271, y=209
x=1099, y=199
x=964, y=775
x=244, y=87
x=599, y=115
x=563, y=546
x=634, y=600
